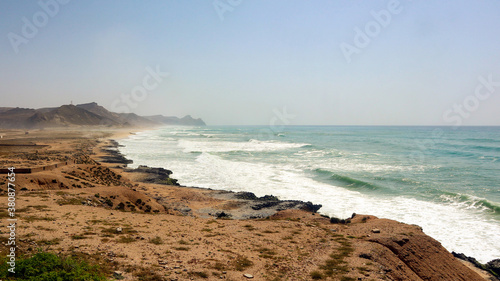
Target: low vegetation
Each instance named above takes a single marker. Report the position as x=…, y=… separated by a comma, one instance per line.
x=156, y=240
x=47, y=267
x=240, y=263
x=336, y=264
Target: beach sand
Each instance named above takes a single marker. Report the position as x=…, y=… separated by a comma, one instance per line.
x=134, y=228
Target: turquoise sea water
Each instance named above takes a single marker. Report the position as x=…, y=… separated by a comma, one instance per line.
x=446, y=180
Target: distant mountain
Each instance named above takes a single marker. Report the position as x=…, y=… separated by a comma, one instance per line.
x=68, y=115
x=171, y=120
x=126, y=119
x=3, y=109
x=15, y=117
x=136, y=120
x=99, y=110
x=89, y=114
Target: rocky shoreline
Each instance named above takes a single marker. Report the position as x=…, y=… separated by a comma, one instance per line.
x=493, y=266
x=113, y=155
x=252, y=207
x=249, y=205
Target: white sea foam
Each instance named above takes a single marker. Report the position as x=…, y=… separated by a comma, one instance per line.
x=226, y=146
x=348, y=164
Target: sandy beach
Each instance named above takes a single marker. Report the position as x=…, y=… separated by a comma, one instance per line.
x=138, y=225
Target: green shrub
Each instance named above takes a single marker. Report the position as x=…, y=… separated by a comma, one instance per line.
x=47, y=267
x=157, y=240
x=316, y=275
x=203, y=275
x=240, y=263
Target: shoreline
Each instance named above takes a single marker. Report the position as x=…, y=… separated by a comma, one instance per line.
x=252, y=207
x=309, y=206
x=381, y=208
x=91, y=197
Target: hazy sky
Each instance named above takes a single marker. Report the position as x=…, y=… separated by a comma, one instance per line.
x=258, y=61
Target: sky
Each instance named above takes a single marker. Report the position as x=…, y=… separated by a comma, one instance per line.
x=258, y=62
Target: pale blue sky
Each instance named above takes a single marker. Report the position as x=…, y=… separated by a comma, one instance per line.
x=240, y=66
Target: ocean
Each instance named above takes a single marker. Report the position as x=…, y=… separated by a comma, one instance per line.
x=444, y=179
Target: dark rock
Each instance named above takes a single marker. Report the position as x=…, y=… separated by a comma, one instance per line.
x=149, y=170
x=118, y=275
x=309, y=206
x=285, y=205
x=335, y=220
x=154, y=175
x=366, y=256
x=494, y=266
x=268, y=198
x=114, y=156
x=222, y=215
x=251, y=196
x=402, y=241
x=338, y=221
x=253, y=217
x=469, y=259
x=265, y=205
x=251, y=206
x=245, y=196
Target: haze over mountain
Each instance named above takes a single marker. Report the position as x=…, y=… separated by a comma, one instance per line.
x=172, y=120
x=89, y=114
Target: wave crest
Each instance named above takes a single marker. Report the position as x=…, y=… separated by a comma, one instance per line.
x=225, y=146
x=471, y=202
x=345, y=180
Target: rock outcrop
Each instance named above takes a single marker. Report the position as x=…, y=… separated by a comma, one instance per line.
x=406, y=252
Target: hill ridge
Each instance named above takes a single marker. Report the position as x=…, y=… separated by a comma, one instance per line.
x=86, y=114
